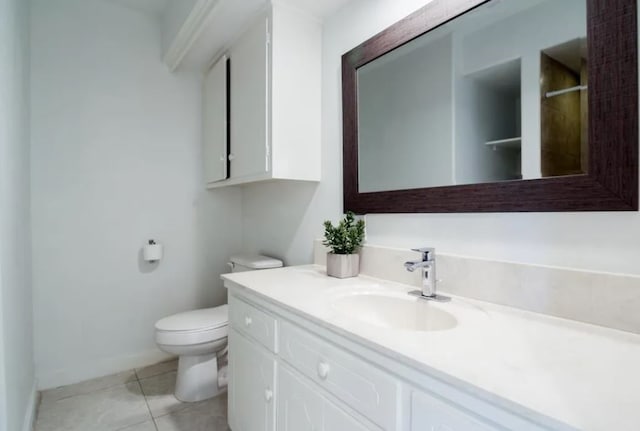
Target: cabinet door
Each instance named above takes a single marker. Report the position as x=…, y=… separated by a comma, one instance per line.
x=251, y=385
x=363, y=387
x=299, y=406
x=429, y=413
x=302, y=408
x=249, y=99
x=336, y=419
x=214, y=122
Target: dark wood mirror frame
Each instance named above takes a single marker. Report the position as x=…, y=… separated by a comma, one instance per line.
x=612, y=181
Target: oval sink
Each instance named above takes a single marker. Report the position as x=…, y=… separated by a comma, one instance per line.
x=405, y=313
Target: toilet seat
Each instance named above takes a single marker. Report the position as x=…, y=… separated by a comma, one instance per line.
x=187, y=338
x=193, y=327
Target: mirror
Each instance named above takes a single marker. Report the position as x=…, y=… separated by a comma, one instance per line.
x=463, y=104
x=485, y=104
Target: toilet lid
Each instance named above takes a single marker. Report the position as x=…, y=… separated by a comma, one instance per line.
x=196, y=320
x=255, y=261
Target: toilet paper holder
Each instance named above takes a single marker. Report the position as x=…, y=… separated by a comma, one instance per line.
x=152, y=251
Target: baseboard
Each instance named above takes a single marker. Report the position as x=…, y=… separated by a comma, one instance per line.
x=98, y=368
x=32, y=410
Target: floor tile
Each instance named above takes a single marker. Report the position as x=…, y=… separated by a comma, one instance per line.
x=104, y=410
x=209, y=415
x=144, y=426
x=88, y=386
x=156, y=369
x=158, y=391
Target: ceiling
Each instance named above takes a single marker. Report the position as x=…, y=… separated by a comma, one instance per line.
x=320, y=8
x=153, y=7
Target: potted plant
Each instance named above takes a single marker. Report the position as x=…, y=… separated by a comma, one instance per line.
x=345, y=241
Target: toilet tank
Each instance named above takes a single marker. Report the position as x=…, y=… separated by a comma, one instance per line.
x=252, y=262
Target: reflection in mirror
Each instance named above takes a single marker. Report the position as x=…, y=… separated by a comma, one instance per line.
x=563, y=114
x=499, y=93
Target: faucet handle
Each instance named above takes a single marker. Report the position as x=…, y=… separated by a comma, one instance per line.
x=428, y=253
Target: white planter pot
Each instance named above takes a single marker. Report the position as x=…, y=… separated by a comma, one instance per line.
x=343, y=265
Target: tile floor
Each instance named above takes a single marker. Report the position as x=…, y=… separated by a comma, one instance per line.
x=136, y=400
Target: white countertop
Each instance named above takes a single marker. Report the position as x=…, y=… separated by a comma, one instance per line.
x=583, y=375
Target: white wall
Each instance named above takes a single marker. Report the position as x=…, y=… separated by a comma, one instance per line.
x=16, y=327
x=285, y=218
x=116, y=161
x=3, y=364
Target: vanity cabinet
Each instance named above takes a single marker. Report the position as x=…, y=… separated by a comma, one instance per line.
x=253, y=323
x=275, y=99
x=287, y=373
x=302, y=408
x=359, y=385
x=431, y=413
x=251, y=392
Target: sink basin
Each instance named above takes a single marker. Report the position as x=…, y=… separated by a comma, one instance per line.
x=401, y=312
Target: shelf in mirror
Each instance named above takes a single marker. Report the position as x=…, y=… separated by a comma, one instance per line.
x=509, y=143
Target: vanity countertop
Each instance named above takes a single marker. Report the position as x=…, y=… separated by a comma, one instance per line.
x=583, y=375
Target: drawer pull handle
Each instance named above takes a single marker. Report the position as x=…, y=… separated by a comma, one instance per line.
x=323, y=370
x=268, y=395
x=248, y=321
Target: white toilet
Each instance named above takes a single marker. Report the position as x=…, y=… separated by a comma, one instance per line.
x=199, y=339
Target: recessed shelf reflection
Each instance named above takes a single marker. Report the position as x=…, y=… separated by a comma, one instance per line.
x=509, y=143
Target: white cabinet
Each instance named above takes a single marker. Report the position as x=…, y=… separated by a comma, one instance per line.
x=251, y=388
x=275, y=99
x=299, y=406
x=254, y=323
x=429, y=413
x=215, y=122
x=327, y=382
x=358, y=384
x=302, y=408
x=309, y=372
x=249, y=95
x=336, y=419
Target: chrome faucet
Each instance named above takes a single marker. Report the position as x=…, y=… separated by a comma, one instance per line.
x=427, y=265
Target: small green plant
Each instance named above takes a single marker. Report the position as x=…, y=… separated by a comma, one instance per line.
x=347, y=237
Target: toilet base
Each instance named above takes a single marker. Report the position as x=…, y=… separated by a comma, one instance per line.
x=197, y=378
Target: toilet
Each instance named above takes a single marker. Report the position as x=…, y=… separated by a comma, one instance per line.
x=199, y=339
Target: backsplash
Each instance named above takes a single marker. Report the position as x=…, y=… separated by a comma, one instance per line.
x=605, y=299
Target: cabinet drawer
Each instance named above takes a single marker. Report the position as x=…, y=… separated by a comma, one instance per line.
x=358, y=384
x=252, y=322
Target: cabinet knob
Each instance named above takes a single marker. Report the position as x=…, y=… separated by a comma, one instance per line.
x=323, y=370
x=268, y=395
x=248, y=321
x=231, y=157
x=223, y=159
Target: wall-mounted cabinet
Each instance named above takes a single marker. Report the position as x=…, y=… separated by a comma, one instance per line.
x=215, y=122
x=275, y=80
x=195, y=30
